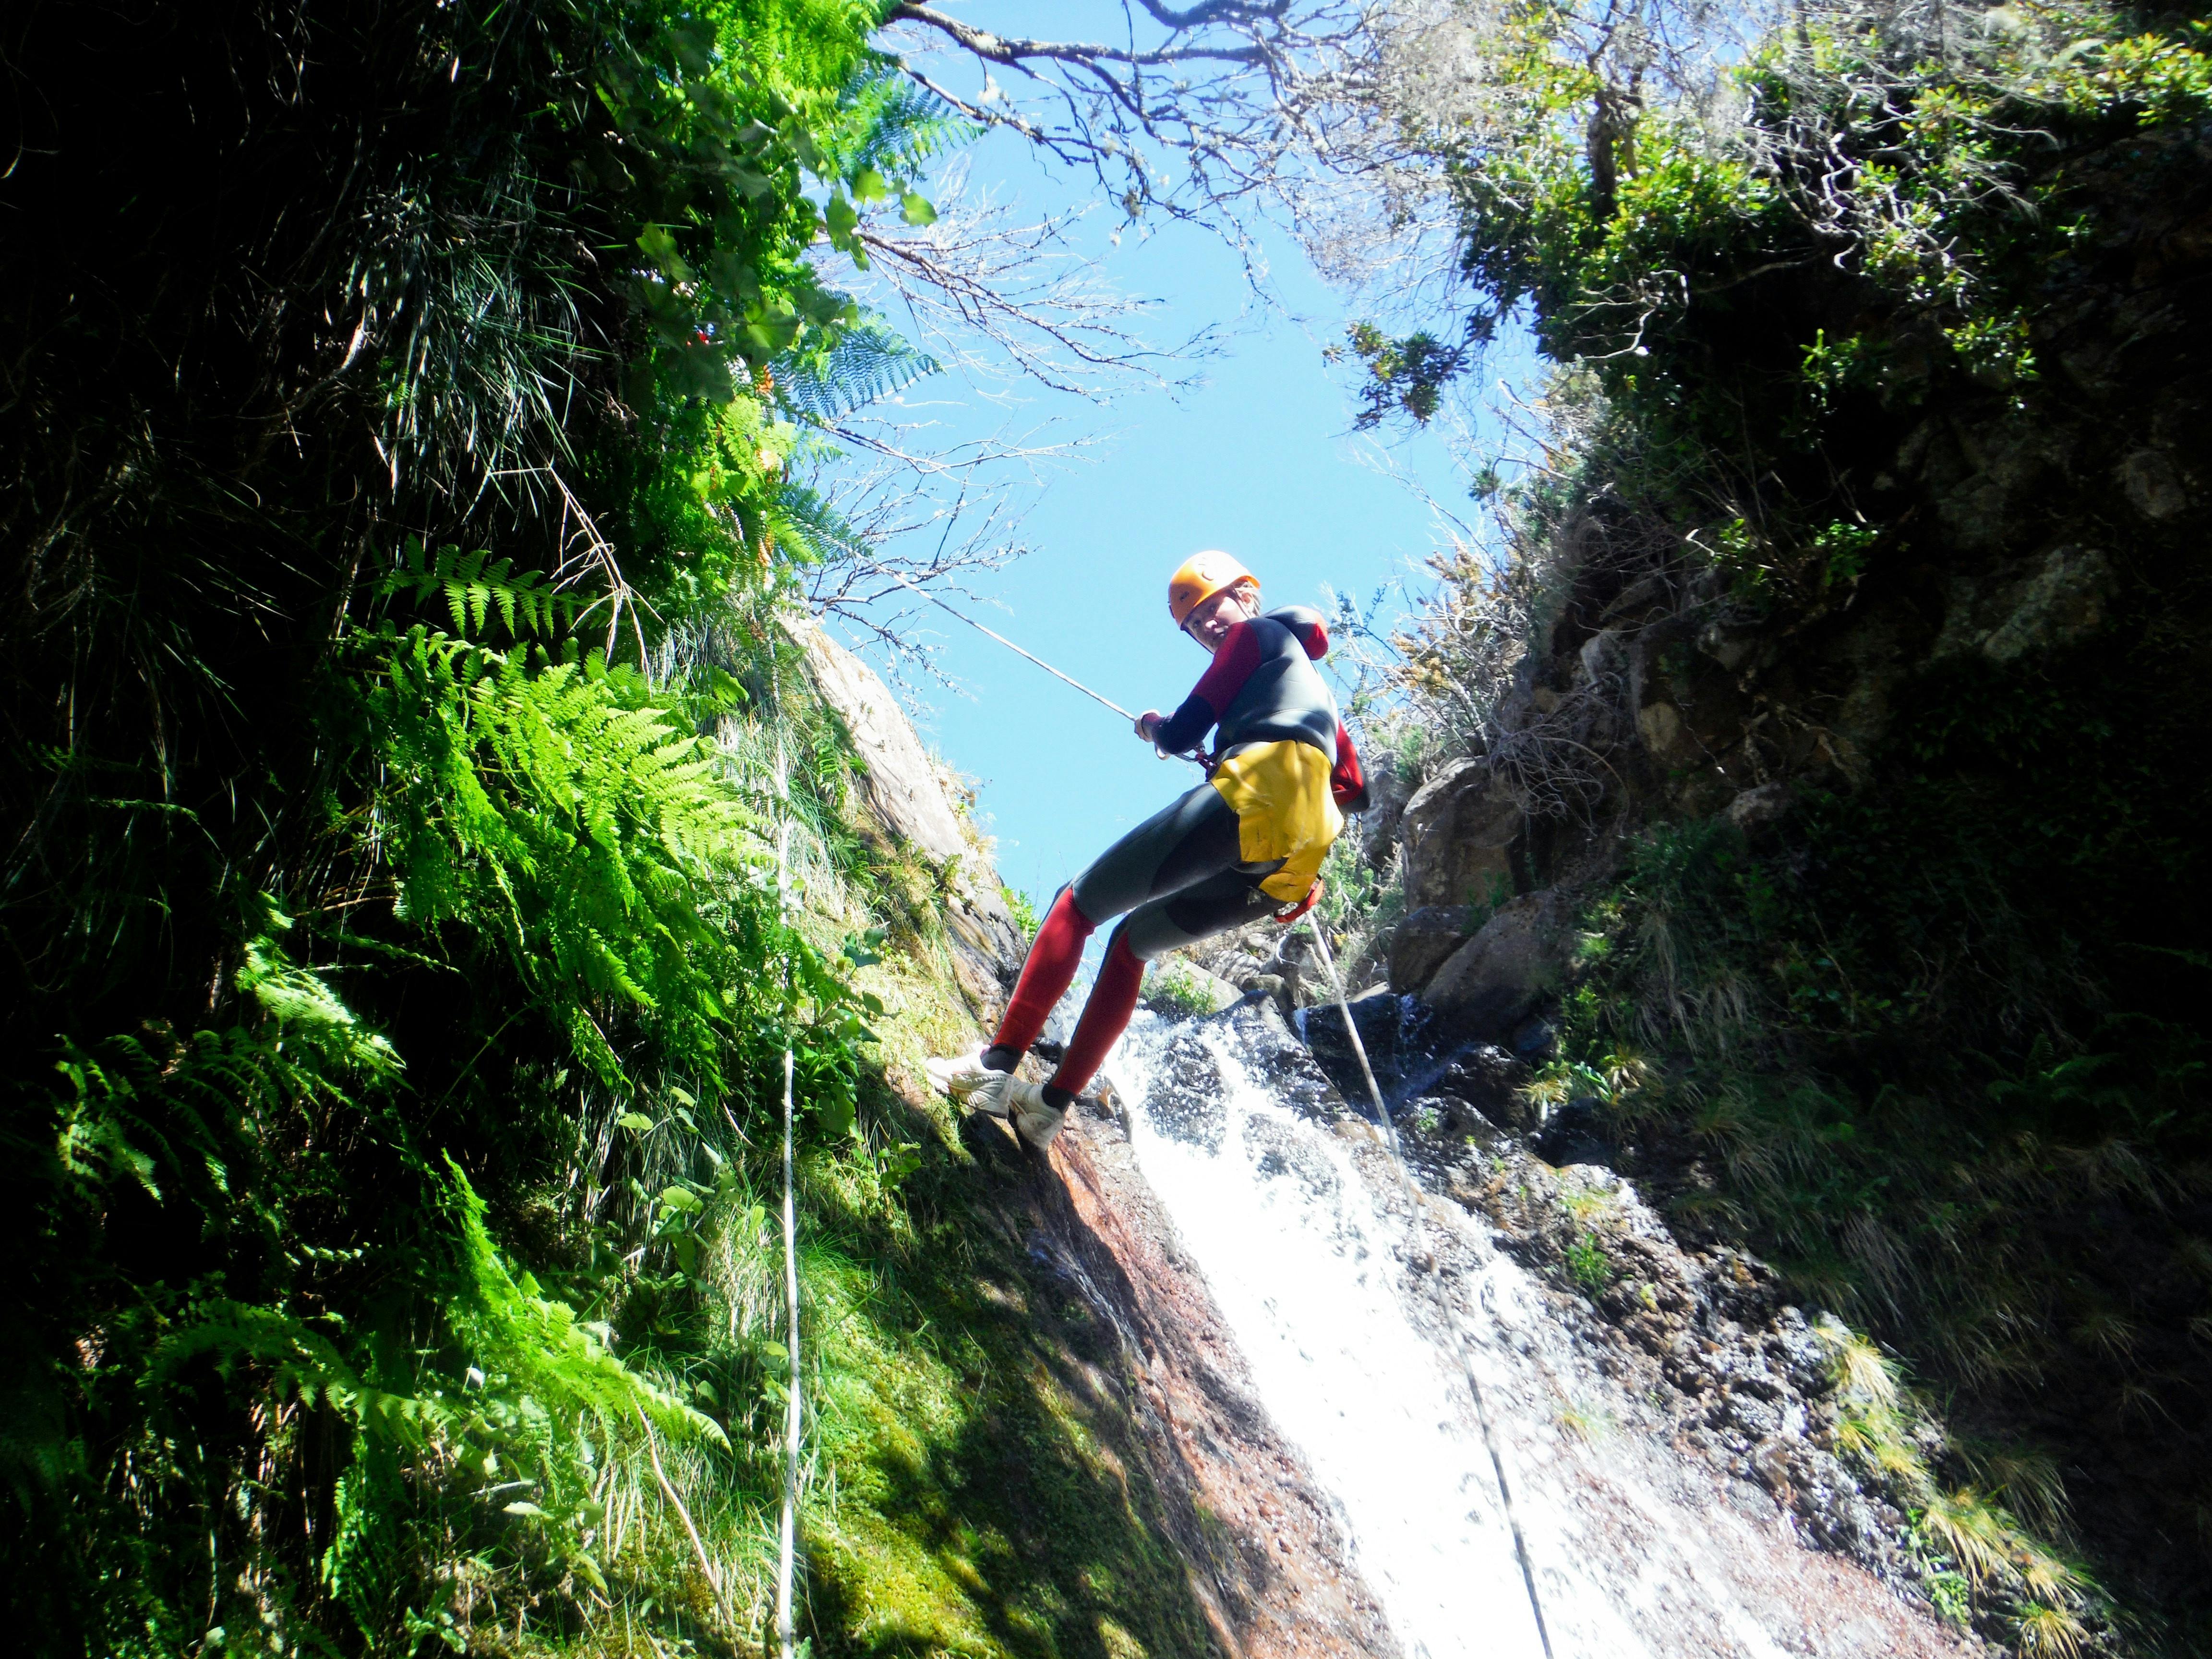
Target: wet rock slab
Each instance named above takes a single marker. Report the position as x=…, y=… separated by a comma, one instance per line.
x=1267, y=1559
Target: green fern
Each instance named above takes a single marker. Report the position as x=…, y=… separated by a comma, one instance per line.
x=556, y=809
x=865, y=364
x=475, y=585
x=889, y=123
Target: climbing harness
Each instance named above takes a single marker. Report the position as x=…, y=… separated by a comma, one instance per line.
x=1414, y=1233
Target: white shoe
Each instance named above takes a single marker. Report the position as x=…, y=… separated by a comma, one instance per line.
x=999, y=1093
x=962, y=1075
x=1036, y=1120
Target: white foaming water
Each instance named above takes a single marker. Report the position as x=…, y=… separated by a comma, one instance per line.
x=1305, y=1270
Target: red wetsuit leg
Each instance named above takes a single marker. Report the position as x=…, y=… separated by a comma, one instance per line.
x=1105, y=1016
x=1046, y=974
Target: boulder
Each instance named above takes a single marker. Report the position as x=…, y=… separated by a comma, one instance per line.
x=1176, y=989
x=898, y=778
x=1424, y=942
x=1491, y=983
x=2153, y=485
x=2029, y=604
x=1484, y=1081
x=1756, y=809
x=1458, y=832
x=1389, y=789
x=904, y=790
x=1576, y=1133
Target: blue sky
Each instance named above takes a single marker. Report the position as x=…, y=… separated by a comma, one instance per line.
x=1259, y=461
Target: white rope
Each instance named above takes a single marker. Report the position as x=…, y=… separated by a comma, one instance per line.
x=1069, y=678
x=1413, y=1197
x=788, y=1544
x=787, y=1539
x=1194, y=758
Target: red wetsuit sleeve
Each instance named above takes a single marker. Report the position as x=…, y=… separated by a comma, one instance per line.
x=1347, y=782
x=1210, y=698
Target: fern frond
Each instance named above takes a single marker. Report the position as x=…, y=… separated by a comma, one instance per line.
x=538, y=1345
x=888, y=122
x=810, y=530
x=474, y=585
x=866, y=363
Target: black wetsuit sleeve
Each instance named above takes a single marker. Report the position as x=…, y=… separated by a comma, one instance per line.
x=1210, y=699
x=1183, y=730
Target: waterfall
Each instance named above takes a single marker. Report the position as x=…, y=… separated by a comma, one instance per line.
x=1360, y=1357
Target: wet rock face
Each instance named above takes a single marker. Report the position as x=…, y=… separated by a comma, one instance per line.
x=1742, y=1377
x=1150, y=1366
x=1395, y=1032
x=1708, y=1335
x=1279, y=1061
x=1189, y=1101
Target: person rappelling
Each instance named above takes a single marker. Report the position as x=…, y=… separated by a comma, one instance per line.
x=1246, y=843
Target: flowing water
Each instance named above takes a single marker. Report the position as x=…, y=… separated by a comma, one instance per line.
x=1361, y=1358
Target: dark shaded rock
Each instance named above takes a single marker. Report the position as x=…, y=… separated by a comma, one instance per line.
x=1398, y=1035
x=1759, y=809
x=1486, y=1079
x=1424, y=942
x=1576, y=1133
x=1533, y=1041
x=1458, y=833
x=2153, y=485
x=1456, y=1119
x=2027, y=604
x=1492, y=982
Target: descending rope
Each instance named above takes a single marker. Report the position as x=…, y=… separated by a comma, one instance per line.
x=1467, y=1358
x=1069, y=678
x=787, y=1538
x=788, y=1544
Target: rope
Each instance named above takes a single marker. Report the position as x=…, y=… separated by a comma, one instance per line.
x=787, y=1538
x=787, y=1543
x=1466, y=1358
x=1069, y=678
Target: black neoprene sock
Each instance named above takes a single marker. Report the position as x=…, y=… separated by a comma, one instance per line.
x=1001, y=1059
x=1057, y=1097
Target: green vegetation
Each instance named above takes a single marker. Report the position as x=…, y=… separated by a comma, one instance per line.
x=1841, y=340
x=1178, y=990
x=423, y=848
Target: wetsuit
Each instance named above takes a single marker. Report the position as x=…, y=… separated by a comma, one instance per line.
x=1242, y=845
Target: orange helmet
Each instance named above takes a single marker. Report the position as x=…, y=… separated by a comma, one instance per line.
x=1198, y=579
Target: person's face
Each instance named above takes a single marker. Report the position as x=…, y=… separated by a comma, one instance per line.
x=1210, y=622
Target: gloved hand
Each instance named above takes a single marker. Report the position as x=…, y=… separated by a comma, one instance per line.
x=1312, y=898
x=1147, y=723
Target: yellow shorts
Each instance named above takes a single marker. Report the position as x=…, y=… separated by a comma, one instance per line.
x=1280, y=794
